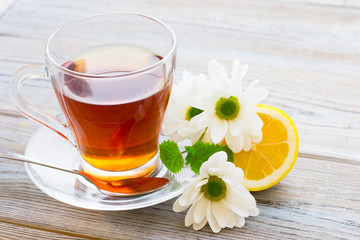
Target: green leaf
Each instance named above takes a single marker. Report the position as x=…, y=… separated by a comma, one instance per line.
x=170, y=156
x=189, y=154
x=200, y=153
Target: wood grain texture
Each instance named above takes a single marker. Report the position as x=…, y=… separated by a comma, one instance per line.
x=297, y=208
x=307, y=53
x=5, y=4
x=15, y=232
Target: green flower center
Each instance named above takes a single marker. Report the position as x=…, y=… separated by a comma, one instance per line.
x=227, y=108
x=215, y=189
x=192, y=112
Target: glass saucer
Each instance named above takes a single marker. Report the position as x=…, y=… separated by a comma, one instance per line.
x=46, y=146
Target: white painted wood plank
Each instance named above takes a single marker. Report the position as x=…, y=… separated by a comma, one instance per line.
x=316, y=200
x=4, y=5
x=307, y=53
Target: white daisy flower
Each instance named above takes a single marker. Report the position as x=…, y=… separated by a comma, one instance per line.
x=180, y=109
x=229, y=112
x=217, y=196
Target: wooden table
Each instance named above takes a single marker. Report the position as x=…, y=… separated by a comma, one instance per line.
x=307, y=53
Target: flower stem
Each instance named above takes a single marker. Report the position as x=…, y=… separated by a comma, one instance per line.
x=202, y=135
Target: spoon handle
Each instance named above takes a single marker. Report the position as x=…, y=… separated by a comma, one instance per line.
x=120, y=188
x=5, y=154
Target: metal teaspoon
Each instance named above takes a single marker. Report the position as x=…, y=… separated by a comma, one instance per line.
x=119, y=188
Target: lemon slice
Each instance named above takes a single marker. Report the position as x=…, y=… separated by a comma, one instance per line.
x=272, y=159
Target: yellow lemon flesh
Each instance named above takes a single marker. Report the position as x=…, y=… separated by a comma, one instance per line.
x=272, y=159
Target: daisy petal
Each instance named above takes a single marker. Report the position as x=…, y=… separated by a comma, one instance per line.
x=187, y=191
x=215, y=171
x=252, y=120
x=256, y=138
x=200, y=210
x=215, y=227
x=236, y=174
x=184, y=200
x=237, y=204
x=207, y=137
x=242, y=192
x=227, y=180
x=198, y=197
x=235, y=127
x=255, y=95
x=179, y=208
x=195, y=195
x=199, y=122
x=189, y=218
x=221, y=212
x=240, y=221
x=253, y=84
x=231, y=221
x=217, y=72
x=201, y=80
x=209, y=102
x=218, y=129
x=247, y=142
x=217, y=159
x=254, y=211
x=238, y=73
x=187, y=76
x=198, y=226
x=195, y=136
x=194, y=101
x=235, y=143
x=170, y=125
x=201, y=183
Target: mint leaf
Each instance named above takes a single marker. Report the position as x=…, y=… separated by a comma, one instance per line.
x=189, y=154
x=200, y=153
x=170, y=156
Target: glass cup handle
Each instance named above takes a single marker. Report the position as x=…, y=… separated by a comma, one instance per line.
x=30, y=111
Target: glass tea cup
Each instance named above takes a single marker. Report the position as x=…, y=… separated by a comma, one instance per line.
x=112, y=75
